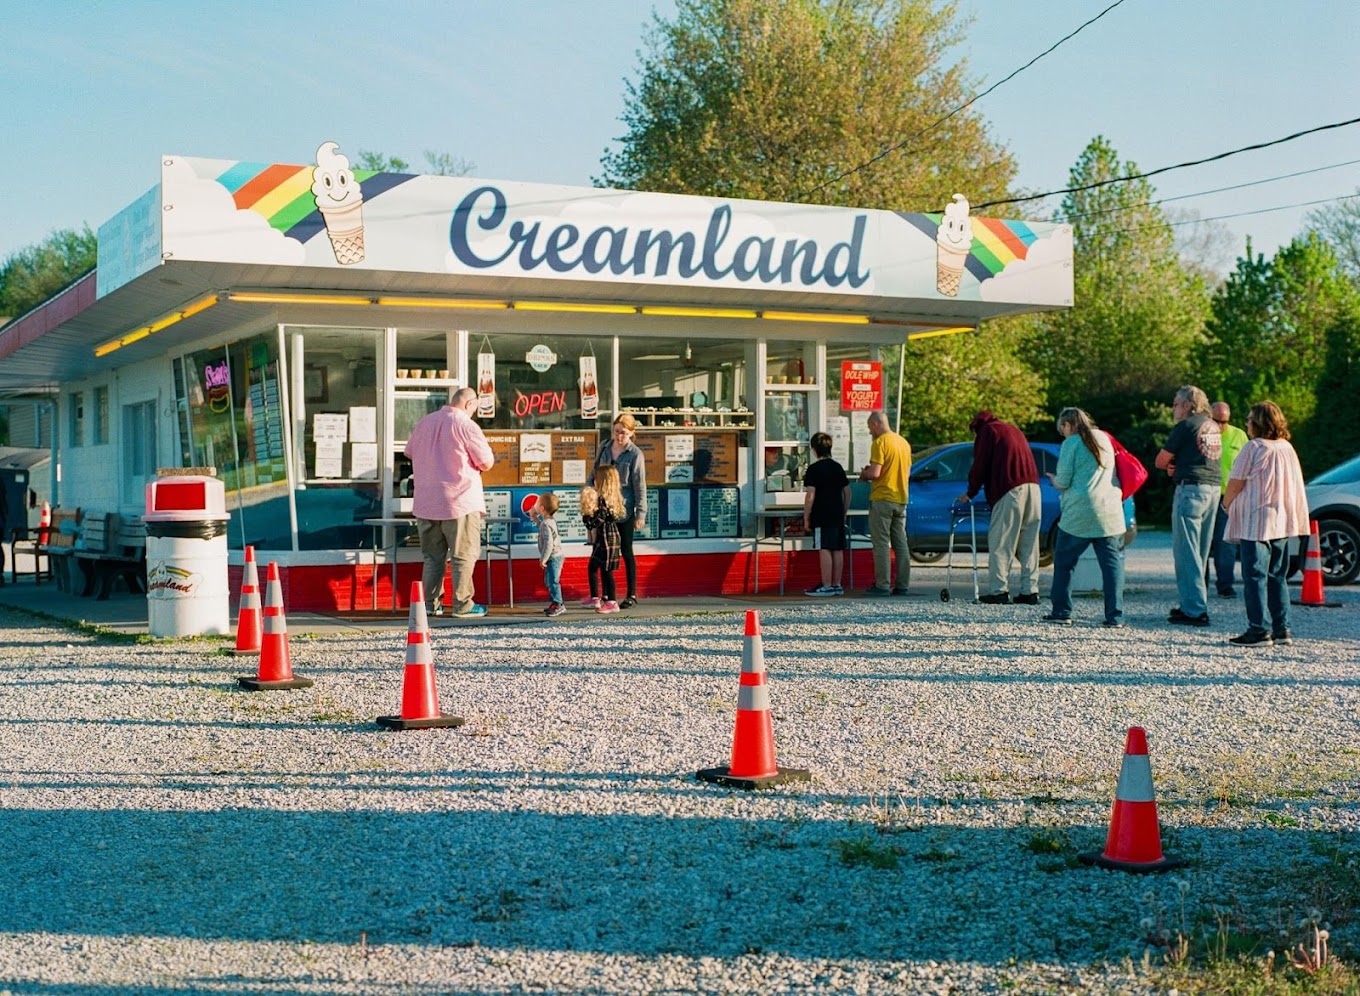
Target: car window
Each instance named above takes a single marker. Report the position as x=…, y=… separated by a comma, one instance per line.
x=953, y=466
x=1044, y=460
x=1345, y=473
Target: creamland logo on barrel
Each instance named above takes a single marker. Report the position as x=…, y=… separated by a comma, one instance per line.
x=168, y=581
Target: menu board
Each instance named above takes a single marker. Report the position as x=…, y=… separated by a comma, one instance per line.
x=573, y=459
x=505, y=448
x=675, y=512
x=719, y=511
x=689, y=455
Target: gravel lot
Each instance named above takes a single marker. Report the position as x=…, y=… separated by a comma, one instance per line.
x=163, y=831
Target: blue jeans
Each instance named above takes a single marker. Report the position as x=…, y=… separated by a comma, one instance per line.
x=552, y=578
x=1192, y=534
x=1264, y=567
x=1109, y=552
x=1224, y=554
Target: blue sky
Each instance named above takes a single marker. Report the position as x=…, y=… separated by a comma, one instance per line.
x=533, y=90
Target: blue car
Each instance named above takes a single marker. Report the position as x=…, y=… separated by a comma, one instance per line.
x=940, y=474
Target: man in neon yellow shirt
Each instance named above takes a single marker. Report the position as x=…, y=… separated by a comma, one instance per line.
x=1223, y=554
x=888, y=468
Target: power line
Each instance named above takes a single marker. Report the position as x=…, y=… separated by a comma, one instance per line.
x=1167, y=169
x=1215, y=190
x=1238, y=214
x=962, y=107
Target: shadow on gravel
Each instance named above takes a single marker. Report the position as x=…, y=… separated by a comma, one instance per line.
x=615, y=884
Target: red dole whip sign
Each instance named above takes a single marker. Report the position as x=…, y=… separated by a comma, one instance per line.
x=861, y=385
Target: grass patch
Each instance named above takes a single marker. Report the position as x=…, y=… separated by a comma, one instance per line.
x=865, y=853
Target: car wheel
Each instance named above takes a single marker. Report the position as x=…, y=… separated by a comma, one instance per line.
x=1046, y=548
x=927, y=556
x=1340, y=545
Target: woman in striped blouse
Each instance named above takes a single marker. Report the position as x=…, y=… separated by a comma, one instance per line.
x=1267, y=506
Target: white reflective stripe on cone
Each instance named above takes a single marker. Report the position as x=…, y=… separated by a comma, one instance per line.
x=1135, y=780
x=754, y=698
x=752, y=655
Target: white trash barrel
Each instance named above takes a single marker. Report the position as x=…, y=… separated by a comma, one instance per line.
x=186, y=557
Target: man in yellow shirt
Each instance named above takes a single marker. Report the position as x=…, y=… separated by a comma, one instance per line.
x=888, y=468
x=1221, y=553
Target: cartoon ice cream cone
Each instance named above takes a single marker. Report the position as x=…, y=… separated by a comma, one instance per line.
x=953, y=243
x=341, y=203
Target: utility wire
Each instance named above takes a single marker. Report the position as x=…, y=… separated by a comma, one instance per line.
x=1238, y=214
x=962, y=107
x=1215, y=190
x=1167, y=169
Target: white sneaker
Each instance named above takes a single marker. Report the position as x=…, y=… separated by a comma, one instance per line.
x=821, y=591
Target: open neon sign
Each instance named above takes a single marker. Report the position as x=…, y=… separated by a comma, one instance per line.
x=539, y=403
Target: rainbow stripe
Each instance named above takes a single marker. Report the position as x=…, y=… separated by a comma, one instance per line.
x=282, y=194
x=996, y=243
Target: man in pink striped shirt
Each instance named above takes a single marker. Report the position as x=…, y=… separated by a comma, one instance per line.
x=448, y=454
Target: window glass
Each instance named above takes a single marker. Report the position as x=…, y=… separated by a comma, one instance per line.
x=230, y=402
x=76, y=436
x=334, y=398
x=139, y=448
x=538, y=380
x=681, y=372
x=100, y=429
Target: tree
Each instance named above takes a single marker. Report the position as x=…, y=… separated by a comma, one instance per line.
x=437, y=163
x=1286, y=330
x=32, y=275
x=1139, y=312
x=1339, y=224
x=783, y=100
x=801, y=100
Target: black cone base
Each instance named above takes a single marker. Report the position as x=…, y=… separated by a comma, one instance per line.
x=246, y=653
x=1098, y=858
x=397, y=723
x=1315, y=605
x=723, y=776
x=256, y=685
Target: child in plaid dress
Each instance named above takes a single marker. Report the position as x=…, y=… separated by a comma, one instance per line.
x=601, y=509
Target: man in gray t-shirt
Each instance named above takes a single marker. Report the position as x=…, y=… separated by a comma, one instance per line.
x=1191, y=457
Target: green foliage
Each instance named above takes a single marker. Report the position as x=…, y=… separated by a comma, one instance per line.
x=32, y=275
x=948, y=379
x=1139, y=312
x=1286, y=330
x=775, y=99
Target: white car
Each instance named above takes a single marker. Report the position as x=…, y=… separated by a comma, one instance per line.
x=1334, y=502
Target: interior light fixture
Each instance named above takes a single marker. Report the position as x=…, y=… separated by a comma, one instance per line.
x=656, y=356
x=263, y=297
x=677, y=312
x=142, y=331
x=588, y=307
x=440, y=302
x=812, y=316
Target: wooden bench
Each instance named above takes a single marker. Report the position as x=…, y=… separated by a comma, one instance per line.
x=59, y=546
x=111, y=547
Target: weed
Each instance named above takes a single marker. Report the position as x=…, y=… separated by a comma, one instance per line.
x=503, y=907
x=865, y=853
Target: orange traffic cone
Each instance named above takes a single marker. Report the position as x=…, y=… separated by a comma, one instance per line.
x=419, y=700
x=1135, y=840
x=1312, y=595
x=753, y=764
x=248, y=624
x=276, y=669
x=44, y=523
